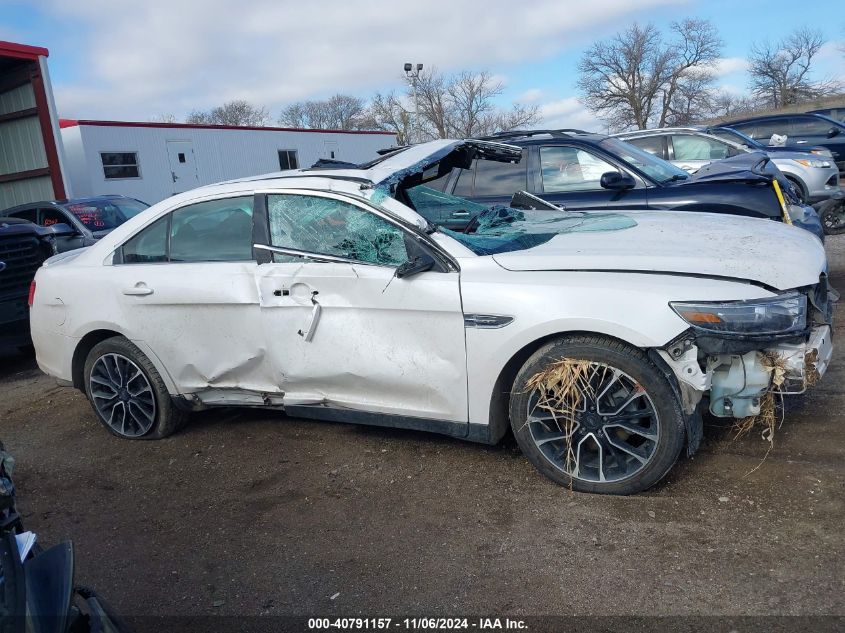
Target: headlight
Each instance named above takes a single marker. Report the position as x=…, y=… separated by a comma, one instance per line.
x=778, y=315
x=812, y=162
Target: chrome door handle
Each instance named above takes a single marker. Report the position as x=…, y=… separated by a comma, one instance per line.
x=800, y=142
x=460, y=214
x=138, y=290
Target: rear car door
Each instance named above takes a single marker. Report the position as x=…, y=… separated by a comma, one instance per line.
x=342, y=331
x=691, y=152
x=185, y=285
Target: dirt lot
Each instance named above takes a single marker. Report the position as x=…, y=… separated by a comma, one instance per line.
x=249, y=513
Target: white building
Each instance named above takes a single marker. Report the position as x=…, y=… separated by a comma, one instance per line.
x=151, y=161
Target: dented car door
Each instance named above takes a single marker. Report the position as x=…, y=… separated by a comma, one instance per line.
x=342, y=331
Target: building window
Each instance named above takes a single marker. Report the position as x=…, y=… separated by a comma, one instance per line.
x=120, y=165
x=287, y=159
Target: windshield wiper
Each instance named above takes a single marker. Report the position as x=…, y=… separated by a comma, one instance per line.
x=674, y=178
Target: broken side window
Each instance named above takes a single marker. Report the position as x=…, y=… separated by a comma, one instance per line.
x=325, y=226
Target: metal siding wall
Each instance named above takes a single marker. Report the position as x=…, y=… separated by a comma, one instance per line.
x=17, y=99
x=22, y=191
x=219, y=154
x=21, y=146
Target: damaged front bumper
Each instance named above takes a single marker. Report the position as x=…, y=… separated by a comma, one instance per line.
x=737, y=382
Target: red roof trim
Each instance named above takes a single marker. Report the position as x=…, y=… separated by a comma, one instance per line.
x=22, y=51
x=63, y=123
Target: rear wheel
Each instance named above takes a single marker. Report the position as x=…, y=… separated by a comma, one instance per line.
x=595, y=414
x=127, y=392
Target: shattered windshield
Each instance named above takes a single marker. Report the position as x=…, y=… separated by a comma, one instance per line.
x=655, y=168
x=502, y=229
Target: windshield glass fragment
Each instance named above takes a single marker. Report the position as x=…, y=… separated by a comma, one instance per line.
x=503, y=229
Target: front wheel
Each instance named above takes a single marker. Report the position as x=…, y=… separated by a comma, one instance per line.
x=596, y=415
x=832, y=215
x=127, y=392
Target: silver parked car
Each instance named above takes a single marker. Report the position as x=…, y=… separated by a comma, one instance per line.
x=815, y=177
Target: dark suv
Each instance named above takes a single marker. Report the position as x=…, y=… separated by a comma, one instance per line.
x=23, y=248
x=581, y=171
x=799, y=129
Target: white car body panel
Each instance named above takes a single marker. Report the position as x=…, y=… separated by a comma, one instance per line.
x=219, y=331
x=692, y=243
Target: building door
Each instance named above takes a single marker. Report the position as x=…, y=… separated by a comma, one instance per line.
x=331, y=152
x=183, y=165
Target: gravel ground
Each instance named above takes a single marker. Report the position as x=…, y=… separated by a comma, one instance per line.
x=248, y=513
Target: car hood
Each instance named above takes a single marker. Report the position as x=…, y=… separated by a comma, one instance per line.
x=697, y=244
x=747, y=167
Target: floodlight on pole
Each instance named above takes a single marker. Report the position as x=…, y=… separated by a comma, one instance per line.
x=413, y=75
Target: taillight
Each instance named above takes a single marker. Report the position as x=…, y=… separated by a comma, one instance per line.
x=31, y=297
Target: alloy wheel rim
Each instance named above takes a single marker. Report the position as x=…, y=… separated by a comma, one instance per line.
x=122, y=395
x=610, y=436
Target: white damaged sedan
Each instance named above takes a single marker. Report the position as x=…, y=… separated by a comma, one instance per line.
x=599, y=339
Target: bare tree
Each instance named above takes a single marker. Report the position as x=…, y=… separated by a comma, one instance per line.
x=340, y=112
x=464, y=105
x=387, y=112
x=236, y=112
x=694, y=51
x=165, y=117
x=636, y=78
x=727, y=105
x=781, y=73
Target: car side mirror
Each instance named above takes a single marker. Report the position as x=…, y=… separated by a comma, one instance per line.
x=834, y=131
x=417, y=264
x=617, y=181
x=62, y=229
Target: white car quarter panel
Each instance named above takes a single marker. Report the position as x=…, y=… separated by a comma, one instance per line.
x=632, y=307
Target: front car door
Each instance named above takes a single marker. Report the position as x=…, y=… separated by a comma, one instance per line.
x=570, y=177
x=342, y=331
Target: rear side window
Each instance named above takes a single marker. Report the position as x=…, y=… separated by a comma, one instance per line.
x=810, y=126
x=213, y=231
x=27, y=214
x=149, y=246
x=692, y=147
x=493, y=178
x=763, y=130
x=651, y=144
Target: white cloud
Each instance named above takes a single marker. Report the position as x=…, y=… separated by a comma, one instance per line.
x=729, y=65
x=164, y=56
x=530, y=96
x=569, y=113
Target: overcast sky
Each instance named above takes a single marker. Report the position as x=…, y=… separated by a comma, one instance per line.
x=135, y=60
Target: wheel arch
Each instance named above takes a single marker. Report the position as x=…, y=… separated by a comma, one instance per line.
x=91, y=338
x=499, y=417
x=798, y=182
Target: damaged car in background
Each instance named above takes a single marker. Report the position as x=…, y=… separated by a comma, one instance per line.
x=598, y=338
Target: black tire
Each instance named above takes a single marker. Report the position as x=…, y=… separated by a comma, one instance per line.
x=656, y=410
x=832, y=216
x=800, y=190
x=137, y=392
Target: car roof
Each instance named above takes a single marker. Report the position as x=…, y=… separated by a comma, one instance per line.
x=778, y=117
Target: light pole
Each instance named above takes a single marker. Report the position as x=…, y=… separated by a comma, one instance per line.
x=412, y=72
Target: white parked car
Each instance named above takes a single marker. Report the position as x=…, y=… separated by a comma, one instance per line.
x=598, y=339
